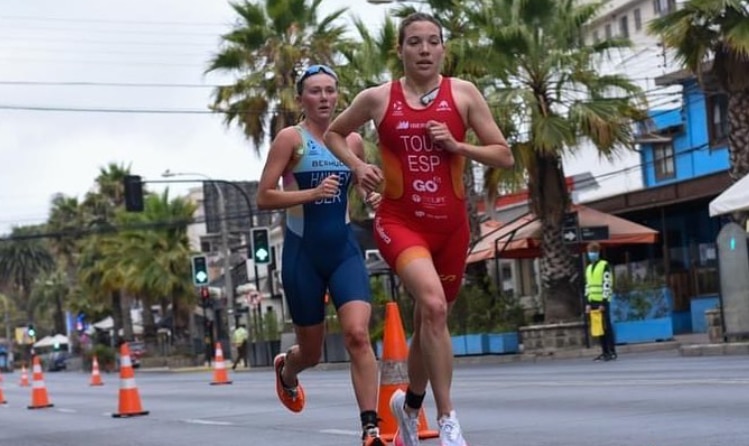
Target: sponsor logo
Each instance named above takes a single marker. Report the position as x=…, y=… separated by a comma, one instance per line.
x=416, y=198
x=448, y=278
x=327, y=163
x=402, y=125
x=419, y=214
x=425, y=186
x=381, y=232
x=443, y=106
x=398, y=108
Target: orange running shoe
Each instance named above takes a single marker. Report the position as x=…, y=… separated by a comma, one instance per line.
x=291, y=397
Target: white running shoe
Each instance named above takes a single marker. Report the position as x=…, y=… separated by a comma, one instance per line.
x=408, y=425
x=450, y=432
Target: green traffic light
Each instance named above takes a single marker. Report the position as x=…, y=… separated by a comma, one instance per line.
x=200, y=275
x=261, y=245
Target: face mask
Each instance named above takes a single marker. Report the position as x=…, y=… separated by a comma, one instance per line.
x=592, y=256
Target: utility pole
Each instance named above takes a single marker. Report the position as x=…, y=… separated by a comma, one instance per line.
x=228, y=282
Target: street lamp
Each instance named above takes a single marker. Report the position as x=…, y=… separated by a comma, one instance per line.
x=228, y=284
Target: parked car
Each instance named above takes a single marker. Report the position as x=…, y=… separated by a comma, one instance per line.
x=137, y=350
x=57, y=361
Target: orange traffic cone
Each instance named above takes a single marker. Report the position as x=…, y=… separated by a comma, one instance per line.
x=394, y=374
x=39, y=398
x=95, y=375
x=220, y=375
x=24, y=377
x=129, y=396
x=2, y=397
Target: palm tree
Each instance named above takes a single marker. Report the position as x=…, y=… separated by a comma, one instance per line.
x=264, y=52
x=710, y=37
x=23, y=259
x=48, y=297
x=157, y=261
x=98, y=274
x=551, y=88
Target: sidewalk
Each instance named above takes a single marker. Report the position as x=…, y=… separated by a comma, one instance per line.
x=696, y=344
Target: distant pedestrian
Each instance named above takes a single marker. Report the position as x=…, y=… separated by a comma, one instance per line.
x=599, y=288
x=239, y=339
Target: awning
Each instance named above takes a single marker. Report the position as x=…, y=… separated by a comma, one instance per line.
x=733, y=199
x=522, y=238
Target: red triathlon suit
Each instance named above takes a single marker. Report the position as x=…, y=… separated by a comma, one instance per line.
x=423, y=210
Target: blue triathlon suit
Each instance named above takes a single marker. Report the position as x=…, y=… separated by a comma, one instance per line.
x=320, y=251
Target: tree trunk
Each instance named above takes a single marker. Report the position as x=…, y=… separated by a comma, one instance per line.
x=149, y=324
x=59, y=315
x=476, y=272
x=127, y=319
x=738, y=141
x=549, y=201
x=116, y=317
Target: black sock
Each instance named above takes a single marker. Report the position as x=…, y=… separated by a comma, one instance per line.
x=369, y=419
x=414, y=401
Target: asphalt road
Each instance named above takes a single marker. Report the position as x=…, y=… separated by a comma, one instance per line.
x=657, y=399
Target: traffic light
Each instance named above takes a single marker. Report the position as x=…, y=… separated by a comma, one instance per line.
x=31, y=331
x=205, y=297
x=199, y=270
x=260, y=246
x=133, y=193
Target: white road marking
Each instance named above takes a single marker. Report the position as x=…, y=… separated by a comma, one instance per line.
x=208, y=422
x=340, y=432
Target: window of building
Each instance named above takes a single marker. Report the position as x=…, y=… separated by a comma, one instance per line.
x=624, y=27
x=638, y=19
x=663, y=7
x=717, y=119
x=205, y=246
x=607, y=30
x=665, y=166
x=596, y=37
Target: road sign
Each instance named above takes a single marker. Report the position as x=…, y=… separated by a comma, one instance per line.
x=570, y=235
x=571, y=228
x=592, y=233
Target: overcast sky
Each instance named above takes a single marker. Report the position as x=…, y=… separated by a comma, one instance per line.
x=53, y=44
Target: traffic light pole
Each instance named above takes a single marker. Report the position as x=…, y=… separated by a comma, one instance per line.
x=225, y=238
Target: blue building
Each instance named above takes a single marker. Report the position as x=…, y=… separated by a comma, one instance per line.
x=684, y=159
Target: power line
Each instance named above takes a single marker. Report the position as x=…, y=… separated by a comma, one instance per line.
x=107, y=84
x=111, y=31
x=104, y=110
x=110, y=21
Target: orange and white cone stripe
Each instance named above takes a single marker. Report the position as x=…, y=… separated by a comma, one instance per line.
x=129, y=401
x=2, y=397
x=39, y=397
x=95, y=374
x=24, y=377
x=220, y=374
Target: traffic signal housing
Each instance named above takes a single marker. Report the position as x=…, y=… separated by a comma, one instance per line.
x=200, y=270
x=261, y=246
x=205, y=297
x=133, y=193
x=31, y=331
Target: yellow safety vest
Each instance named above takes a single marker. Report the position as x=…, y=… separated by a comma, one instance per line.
x=594, y=280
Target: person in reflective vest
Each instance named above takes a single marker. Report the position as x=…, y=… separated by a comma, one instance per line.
x=599, y=288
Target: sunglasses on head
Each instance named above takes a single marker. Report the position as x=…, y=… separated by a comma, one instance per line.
x=312, y=70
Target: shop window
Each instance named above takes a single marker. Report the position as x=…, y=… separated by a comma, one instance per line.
x=717, y=119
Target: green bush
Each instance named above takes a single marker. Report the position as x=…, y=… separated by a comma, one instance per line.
x=104, y=354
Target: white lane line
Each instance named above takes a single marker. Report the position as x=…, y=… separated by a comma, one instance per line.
x=208, y=422
x=340, y=432
x=63, y=410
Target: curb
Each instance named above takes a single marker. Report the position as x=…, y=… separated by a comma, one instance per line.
x=492, y=359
